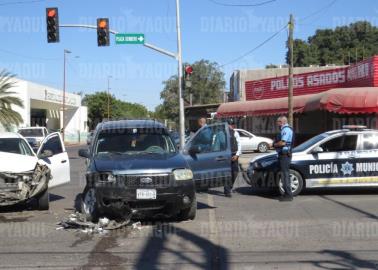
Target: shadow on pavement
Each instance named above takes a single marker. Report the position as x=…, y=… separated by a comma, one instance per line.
x=346, y=261
x=55, y=197
x=367, y=214
x=260, y=192
x=201, y=206
x=213, y=256
x=340, y=191
x=29, y=205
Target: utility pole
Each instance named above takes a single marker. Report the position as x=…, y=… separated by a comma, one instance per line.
x=180, y=77
x=291, y=64
x=64, y=92
x=109, y=97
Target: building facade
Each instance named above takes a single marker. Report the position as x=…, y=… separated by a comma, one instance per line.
x=43, y=106
x=324, y=99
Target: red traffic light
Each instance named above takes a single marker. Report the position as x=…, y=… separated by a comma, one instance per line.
x=51, y=13
x=52, y=23
x=103, y=32
x=188, y=70
x=102, y=23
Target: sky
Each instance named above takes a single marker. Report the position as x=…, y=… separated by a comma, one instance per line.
x=210, y=31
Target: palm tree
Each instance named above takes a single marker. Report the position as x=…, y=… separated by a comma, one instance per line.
x=8, y=116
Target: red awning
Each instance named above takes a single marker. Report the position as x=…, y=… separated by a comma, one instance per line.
x=262, y=107
x=340, y=100
x=346, y=100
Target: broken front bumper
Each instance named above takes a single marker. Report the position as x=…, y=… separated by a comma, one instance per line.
x=120, y=196
x=17, y=188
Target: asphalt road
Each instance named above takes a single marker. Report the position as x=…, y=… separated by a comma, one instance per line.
x=321, y=229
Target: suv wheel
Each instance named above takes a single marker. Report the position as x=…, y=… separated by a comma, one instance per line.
x=262, y=147
x=296, y=183
x=89, y=204
x=43, y=201
x=190, y=212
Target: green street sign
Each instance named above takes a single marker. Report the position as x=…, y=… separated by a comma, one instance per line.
x=129, y=38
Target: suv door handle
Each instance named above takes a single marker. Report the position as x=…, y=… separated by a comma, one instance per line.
x=220, y=158
x=64, y=161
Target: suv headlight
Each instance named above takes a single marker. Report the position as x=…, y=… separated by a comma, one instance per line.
x=102, y=177
x=183, y=174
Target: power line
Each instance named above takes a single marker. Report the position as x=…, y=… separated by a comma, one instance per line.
x=21, y=2
x=255, y=48
x=318, y=11
x=242, y=5
x=28, y=57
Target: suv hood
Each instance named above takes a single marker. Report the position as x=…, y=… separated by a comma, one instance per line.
x=147, y=163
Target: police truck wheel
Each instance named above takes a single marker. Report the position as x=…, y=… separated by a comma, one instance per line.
x=262, y=147
x=89, y=204
x=296, y=183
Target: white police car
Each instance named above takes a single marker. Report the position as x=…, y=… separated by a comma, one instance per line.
x=339, y=158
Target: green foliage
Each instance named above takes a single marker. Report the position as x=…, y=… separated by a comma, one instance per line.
x=207, y=87
x=340, y=46
x=98, y=108
x=8, y=116
x=271, y=66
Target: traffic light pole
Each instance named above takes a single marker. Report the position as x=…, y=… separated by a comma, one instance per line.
x=177, y=56
x=180, y=77
x=148, y=45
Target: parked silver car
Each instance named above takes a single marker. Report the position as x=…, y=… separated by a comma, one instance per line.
x=251, y=142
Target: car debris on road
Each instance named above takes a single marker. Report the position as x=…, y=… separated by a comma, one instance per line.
x=78, y=222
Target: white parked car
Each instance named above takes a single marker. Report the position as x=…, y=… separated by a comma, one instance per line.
x=250, y=142
x=25, y=174
x=34, y=135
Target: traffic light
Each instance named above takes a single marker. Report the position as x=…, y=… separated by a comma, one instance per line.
x=52, y=22
x=103, y=32
x=188, y=73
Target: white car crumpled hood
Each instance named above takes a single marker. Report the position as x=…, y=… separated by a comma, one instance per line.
x=16, y=163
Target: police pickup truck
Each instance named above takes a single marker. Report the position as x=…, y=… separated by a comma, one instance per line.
x=338, y=158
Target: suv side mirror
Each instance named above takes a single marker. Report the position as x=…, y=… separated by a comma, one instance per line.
x=84, y=153
x=195, y=149
x=317, y=150
x=45, y=154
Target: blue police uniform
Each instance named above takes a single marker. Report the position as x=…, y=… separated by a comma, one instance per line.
x=284, y=157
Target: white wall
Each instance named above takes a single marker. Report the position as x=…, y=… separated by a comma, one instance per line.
x=44, y=97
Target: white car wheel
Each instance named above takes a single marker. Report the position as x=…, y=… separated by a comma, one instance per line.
x=262, y=147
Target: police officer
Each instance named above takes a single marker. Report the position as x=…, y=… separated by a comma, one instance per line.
x=204, y=140
x=283, y=145
x=235, y=153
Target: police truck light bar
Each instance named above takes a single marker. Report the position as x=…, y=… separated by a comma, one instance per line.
x=52, y=22
x=103, y=32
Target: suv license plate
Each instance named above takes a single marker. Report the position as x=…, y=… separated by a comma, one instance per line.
x=144, y=194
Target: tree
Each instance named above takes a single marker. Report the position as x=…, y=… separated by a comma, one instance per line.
x=340, y=46
x=271, y=66
x=98, y=108
x=207, y=87
x=8, y=116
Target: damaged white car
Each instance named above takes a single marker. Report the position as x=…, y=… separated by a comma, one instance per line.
x=26, y=175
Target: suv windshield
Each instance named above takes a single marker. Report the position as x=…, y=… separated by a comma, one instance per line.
x=309, y=143
x=31, y=132
x=134, y=141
